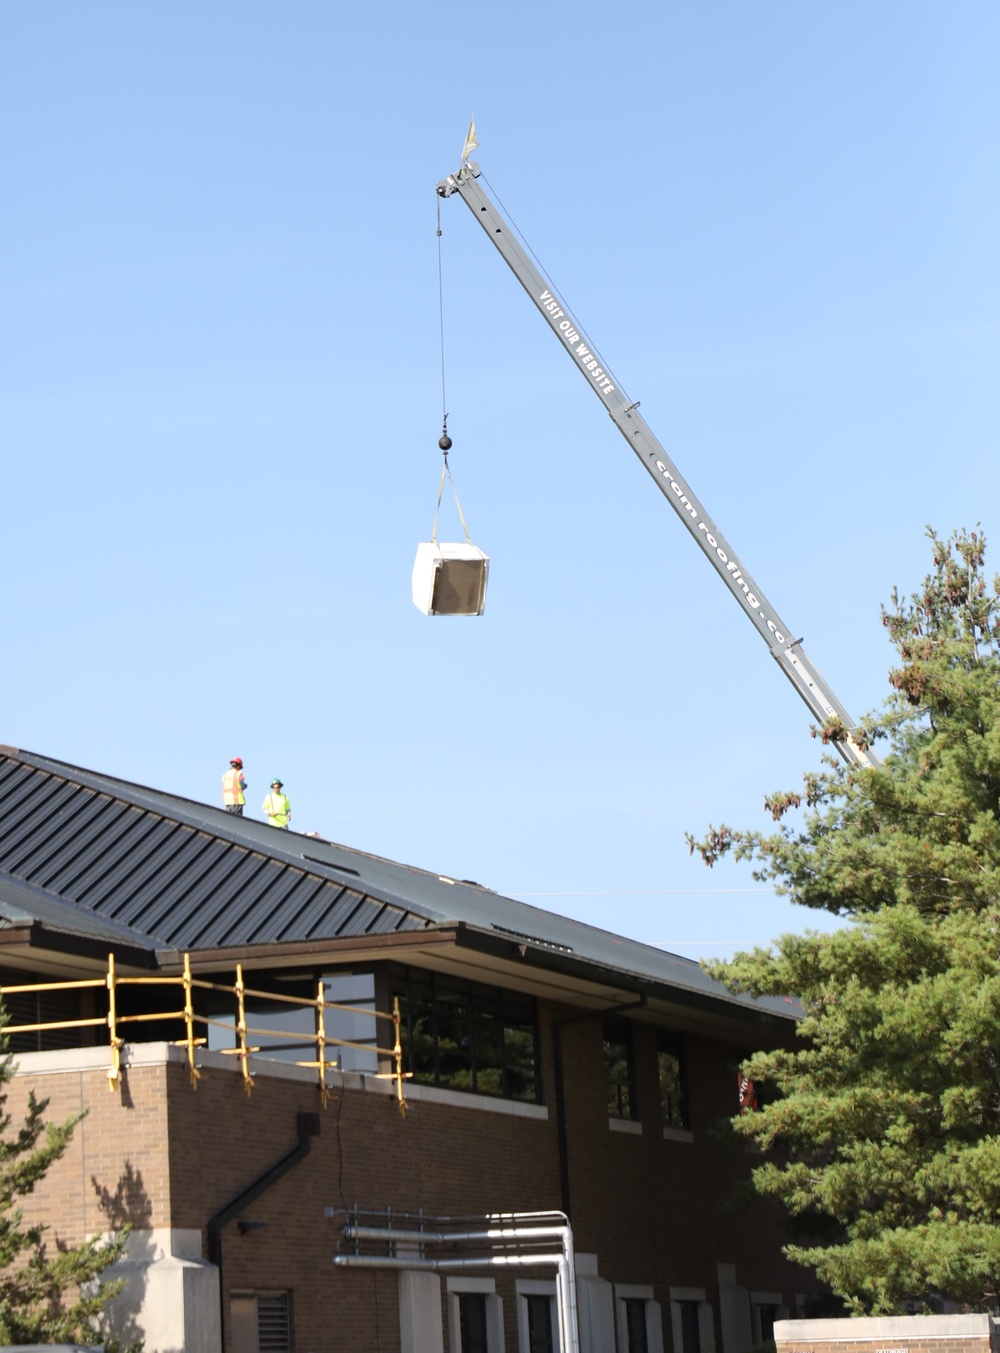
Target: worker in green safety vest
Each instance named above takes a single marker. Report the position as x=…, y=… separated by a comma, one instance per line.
x=277, y=806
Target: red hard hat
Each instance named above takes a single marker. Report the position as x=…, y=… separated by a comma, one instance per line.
x=237, y=761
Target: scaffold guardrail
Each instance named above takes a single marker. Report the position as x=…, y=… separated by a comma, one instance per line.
x=193, y=1022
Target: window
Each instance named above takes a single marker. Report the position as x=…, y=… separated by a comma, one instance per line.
x=261, y=1322
x=673, y=1080
x=463, y=1036
x=637, y=1318
x=472, y=1322
x=618, y=1070
x=475, y=1316
x=282, y=1032
x=539, y=1317
x=356, y=1023
x=43, y=1007
x=287, y=1032
x=537, y=1324
x=636, y=1338
x=690, y=1328
x=691, y=1320
x=765, y=1309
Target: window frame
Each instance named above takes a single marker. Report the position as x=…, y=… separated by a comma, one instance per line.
x=629, y=1292
x=456, y=1288
x=487, y=1010
x=534, y=1287
x=623, y=1029
x=671, y=1042
x=680, y=1297
x=771, y=1301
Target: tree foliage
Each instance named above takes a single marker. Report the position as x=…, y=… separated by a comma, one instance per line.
x=881, y=1129
x=49, y=1293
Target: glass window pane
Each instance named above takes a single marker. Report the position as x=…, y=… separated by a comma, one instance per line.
x=520, y=1081
x=465, y=1036
x=671, y=1091
x=539, y=1324
x=488, y=1050
x=635, y=1325
x=618, y=1071
x=454, y=1039
x=690, y=1327
x=356, y=1024
x=472, y=1322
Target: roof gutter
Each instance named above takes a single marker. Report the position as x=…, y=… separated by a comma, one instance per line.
x=41, y=937
x=524, y=953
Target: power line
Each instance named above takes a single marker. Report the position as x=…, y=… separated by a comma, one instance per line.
x=649, y=892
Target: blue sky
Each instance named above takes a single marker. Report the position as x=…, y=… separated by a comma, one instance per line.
x=220, y=398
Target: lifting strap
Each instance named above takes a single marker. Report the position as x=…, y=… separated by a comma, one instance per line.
x=446, y=474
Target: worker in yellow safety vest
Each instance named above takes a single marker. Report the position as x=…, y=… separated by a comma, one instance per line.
x=234, y=787
x=277, y=806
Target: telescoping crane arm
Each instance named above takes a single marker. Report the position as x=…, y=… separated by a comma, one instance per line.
x=788, y=652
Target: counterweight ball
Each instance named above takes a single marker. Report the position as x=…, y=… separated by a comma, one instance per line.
x=444, y=442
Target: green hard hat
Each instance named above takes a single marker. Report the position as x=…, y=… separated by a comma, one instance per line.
x=277, y=782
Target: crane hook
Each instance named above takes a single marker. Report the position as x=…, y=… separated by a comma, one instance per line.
x=444, y=441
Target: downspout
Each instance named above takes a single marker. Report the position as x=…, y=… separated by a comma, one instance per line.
x=557, y=1067
x=308, y=1126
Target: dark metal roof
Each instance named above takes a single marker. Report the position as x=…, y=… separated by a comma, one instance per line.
x=89, y=853
x=180, y=874
x=22, y=904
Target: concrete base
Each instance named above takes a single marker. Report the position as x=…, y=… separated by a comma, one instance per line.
x=171, y=1295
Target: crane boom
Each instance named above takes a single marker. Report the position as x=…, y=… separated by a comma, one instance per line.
x=788, y=652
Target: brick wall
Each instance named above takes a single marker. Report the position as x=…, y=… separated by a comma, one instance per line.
x=655, y=1212
x=889, y=1334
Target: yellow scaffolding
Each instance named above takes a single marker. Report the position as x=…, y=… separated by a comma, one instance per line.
x=193, y=1021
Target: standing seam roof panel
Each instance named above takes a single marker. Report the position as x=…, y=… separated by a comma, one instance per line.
x=26, y=822
x=165, y=893
x=222, y=929
x=74, y=854
x=304, y=901
x=278, y=922
x=197, y=888
x=332, y=918
x=96, y=882
x=159, y=845
x=364, y=919
x=390, y=919
x=316, y=920
x=17, y=781
x=279, y=882
x=248, y=881
x=79, y=817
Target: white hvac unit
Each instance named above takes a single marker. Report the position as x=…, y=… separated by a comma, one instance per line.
x=450, y=578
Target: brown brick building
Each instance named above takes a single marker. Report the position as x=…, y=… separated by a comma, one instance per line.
x=293, y=1053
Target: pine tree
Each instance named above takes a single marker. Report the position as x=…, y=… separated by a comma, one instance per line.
x=880, y=1132
x=48, y=1293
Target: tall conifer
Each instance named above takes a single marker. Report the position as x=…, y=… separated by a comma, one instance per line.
x=881, y=1132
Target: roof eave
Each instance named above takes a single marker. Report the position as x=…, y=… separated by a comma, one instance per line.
x=35, y=939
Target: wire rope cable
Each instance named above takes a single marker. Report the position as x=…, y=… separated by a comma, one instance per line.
x=445, y=441
x=444, y=401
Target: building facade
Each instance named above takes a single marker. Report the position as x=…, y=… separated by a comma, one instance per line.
x=335, y=1096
